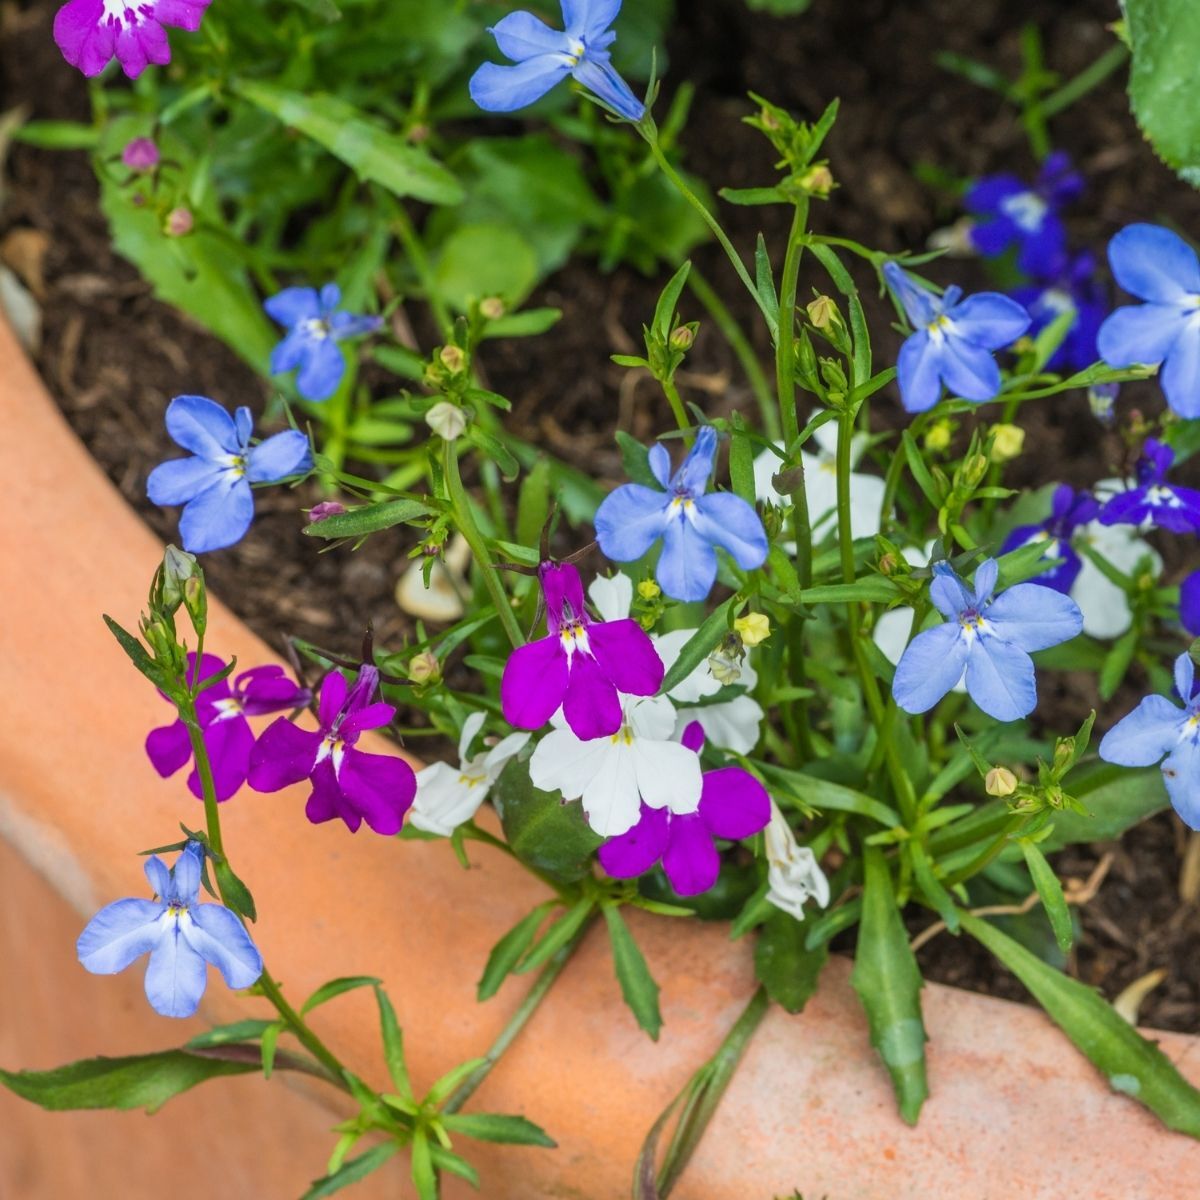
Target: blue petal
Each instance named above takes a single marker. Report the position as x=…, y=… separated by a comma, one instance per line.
x=687, y=567
x=221, y=939
x=185, y=875
x=987, y=194
x=919, y=372
x=218, y=517
x=347, y=325
x=728, y=521
x=175, y=977
x=590, y=18
x=1000, y=679
x=660, y=464
x=1180, y=374
x=1145, y=735
x=293, y=305
x=694, y=471
x=119, y=933
x=630, y=520
x=202, y=426
x=522, y=36
x=321, y=370
x=1139, y=333
x=158, y=875
x=970, y=371
x=289, y=353
x=277, y=457
x=989, y=320
x=504, y=89
x=1034, y=617
x=951, y=597
x=1154, y=263
x=1185, y=677
x=182, y=479
x=331, y=297
x=986, y=575
x=930, y=666
x=1189, y=604
x=602, y=79
x=919, y=303
x=1181, y=773
x=1043, y=251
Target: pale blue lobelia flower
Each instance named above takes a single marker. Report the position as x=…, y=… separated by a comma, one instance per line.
x=543, y=57
x=181, y=936
x=1159, y=730
x=989, y=637
x=954, y=342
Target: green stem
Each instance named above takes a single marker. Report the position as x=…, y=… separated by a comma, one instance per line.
x=407, y=234
x=1087, y=79
x=465, y=520
x=677, y=409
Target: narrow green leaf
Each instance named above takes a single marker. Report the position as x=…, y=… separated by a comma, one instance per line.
x=824, y=794
x=637, y=984
x=270, y=1039
x=533, y=503
x=350, y=1172
x=888, y=983
x=370, y=518
x=873, y=589
x=635, y=459
x=557, y=936
x=829, y=924
x=1132, y=1065
x=529, y=323
x=506, y=953
x=699, y=646
x=784, y=964
x=920, y=472
x=234, y=891
x=764, y=281
x=932, y=887
x=137, y=653
x=335, y=987
x=668, y=301
x=423, y=1175
x=57, y=135
x=393, y=1044
x=444, y=1160
x=1051, y=893
x=452, y=1078
x=498, y=1127
x=754, y=196
x=225, y=1035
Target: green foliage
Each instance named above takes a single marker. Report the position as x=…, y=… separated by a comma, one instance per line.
x=637, y=984
x=784, y=964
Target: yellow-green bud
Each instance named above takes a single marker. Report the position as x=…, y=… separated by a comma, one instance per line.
x=938, y=435
x=492, y=308
x=1007, y=442
x=649, y=590
x=753, y=628
x=817, y=180
x=975, y=469
x=682, y=338
x=452, y=358
x=424, y=667
x=823, y=312
x=1000, y=781
x=446, y=420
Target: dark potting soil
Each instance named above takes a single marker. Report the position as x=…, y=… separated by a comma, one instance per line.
x=112, y=355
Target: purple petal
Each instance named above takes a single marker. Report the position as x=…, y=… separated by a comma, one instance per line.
x=563, y=590
x=691, y=861
x=283, y=755
x=591, y=706
x=637, y=850
x=627, y=656
x=1189, y=603
x=534, y=683
x=140, y=44
x=693, y=737
x=734, y=804
x=1143, y=736
x=269, y=689
x=325, y=801
x=373, y=716
x=333, y=696
x=380, y=787
x=168, y=748
x=229, y=743
x=84, y=35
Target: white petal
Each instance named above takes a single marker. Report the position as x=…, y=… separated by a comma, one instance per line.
x=668, y=775
x=610, y=800
x=651, y=717
x=766, y=466
x=494, y=761
x=613, y=597
x=443, y=801
x=1104, y=605
x=442, y=601
x=471, y=726
x=700, y=682
x=733, y=725
x=562, y=763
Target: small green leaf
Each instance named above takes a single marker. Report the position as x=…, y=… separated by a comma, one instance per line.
x=351, y=1172
x=423, y=1175
x=528, y=323
x=506, y=953
x=57, y=135
x=370, y=518
x=444, y=1160
x=498, y=1127
x=533, y=503
x=784, y=964
x=557, y=936
x=635, y=459
x=824, y=794
x=874, y=589
x=668, y=301
x=637, y=984
x=1116, y=798
x=1051, y=893
x=699, y=646
x=393, y=1044
x=270, y=1039
x=249, y=1030
x=755, y=196
x=137, y=653
x=335, y=987
x=234, y=891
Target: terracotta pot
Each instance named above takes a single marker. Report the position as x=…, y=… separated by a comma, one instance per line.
x=1014, y=1111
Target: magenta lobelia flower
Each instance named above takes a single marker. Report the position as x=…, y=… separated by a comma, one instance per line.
x=222, y=712
x=733, y=805
x=581, y=665
x=346, y=782
x=90, y=33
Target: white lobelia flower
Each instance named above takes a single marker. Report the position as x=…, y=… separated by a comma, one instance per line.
x=444, y=599
x=793, y=872
x=1104, y=605
x=820, y=483
x=613, y=775
x=447, y=795
x=731, y=724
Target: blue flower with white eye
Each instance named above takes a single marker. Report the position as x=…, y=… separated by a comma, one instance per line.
x=315, y=326
x=181, y=936
x=1159, y=267
x=1158, y=730
x=989, y=637
x=545, y=56
x=690, y=522
x=1073, y=289
x=1152, y=500
x=213, y=485
x=954, y=342
x=1012, y=213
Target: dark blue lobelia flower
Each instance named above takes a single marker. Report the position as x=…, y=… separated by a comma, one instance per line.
x=1189, y=604
x=1073, y=289
x=214, y=485
x=1011, y=213
x=544, y=56
x=989, y=637
x=954, y=341
x=181, y=936
x=315, y=325
x=691, y=523
x=1160, y=730
x=1157, y=266
x=1069, y=510
x=1152, y=499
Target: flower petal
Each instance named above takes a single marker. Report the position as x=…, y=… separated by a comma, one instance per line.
x=380, y=787
x=612, y=596
x=118, y=934
x=732, y=725
x=728, y=521
x=600, y=77
x=1181, y=774
x=638, y=849
x=1000, y=678
x=221, y=939
x=690, y=861
x=521, y=36
x=1154, y=263
x=930, y=666
x=168, y=748
x=563, y=590
x=293, y=305
x=697, y=466
x=920, y=304
x=734, y=804
x=990, y=320
x=627, y=656
x=217, y=517
x=284, y=754
x=591, y=706
x=176, y=976
x=1143, y=736
x=505, y=89
x=321, y=370
x=687, y=567
x=84, y=36
x=279, y=456
x=1180, y=374
x=202, y=426
x=919, y=372
x=534, y=683
x=630, y=520
x=1185, y=677
x=1139, y=333
x=182, y=479
x=969, y=370
x=1034, y=617
x=590, y=18
x=668, y=775
x=443, y=801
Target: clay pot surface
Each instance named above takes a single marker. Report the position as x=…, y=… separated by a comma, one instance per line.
x=1015, y=1112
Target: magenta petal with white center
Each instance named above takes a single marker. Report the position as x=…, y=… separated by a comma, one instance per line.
x=325, y=802
x=90, y=33
x=333, y=697
x=534, y=683
x=627, y=656
x=591, y=707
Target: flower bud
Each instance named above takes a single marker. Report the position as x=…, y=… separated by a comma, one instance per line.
x=424, y=667
x=1007, y=442
x=823, y=312
x=180, y=222
x=818, y=181
x=178, y=567
x=452, y=358
x=754, y=628
x=492, y=308
x=975, y=469
x=683, y=337
x=938, y=436
x=1064, y=751
x=1000, y=781
x=1102, y=397
x=447, y=420
x=327, y=508
x=649, y=590
x=888, y=563
x=195, y=600
x=140, y=155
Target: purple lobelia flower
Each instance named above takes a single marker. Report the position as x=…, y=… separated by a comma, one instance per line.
x=140, y=155
x=1069, y=510
x=545, y=56
x=213, y=485
x=315, y=326
x=1073, y=289
x=690, y=521
x=1189, y=604
x=346, y=782
x=222, y=713
x=1009, y=212
x=1159, y=729
x=580, y=666
x=954, y=341
x=989, y=637
x=1157, y=266
x=90, y=33
x=733, y=805
x=181, y=936
x=1152, y=499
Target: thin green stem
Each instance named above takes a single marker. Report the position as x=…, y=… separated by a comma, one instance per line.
x=677, y=409
x=411, y=241
x=1087, y=79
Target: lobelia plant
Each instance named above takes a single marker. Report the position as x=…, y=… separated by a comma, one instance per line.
x=744, y=744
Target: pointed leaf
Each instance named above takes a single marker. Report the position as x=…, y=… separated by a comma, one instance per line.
x=637, y=984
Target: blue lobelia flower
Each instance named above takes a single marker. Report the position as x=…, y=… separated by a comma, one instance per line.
x=214, y=485
x=1157, y=266
x=544, y=56
x=1152, y=500
x=630, y=520
x=181, y=936
x=954, y=342
x=1073, y=289
x=989, y=637
x=1069, y=510
x=1189, y=604
x=1160, y=730
x=315, y=325
x=1011, y=213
